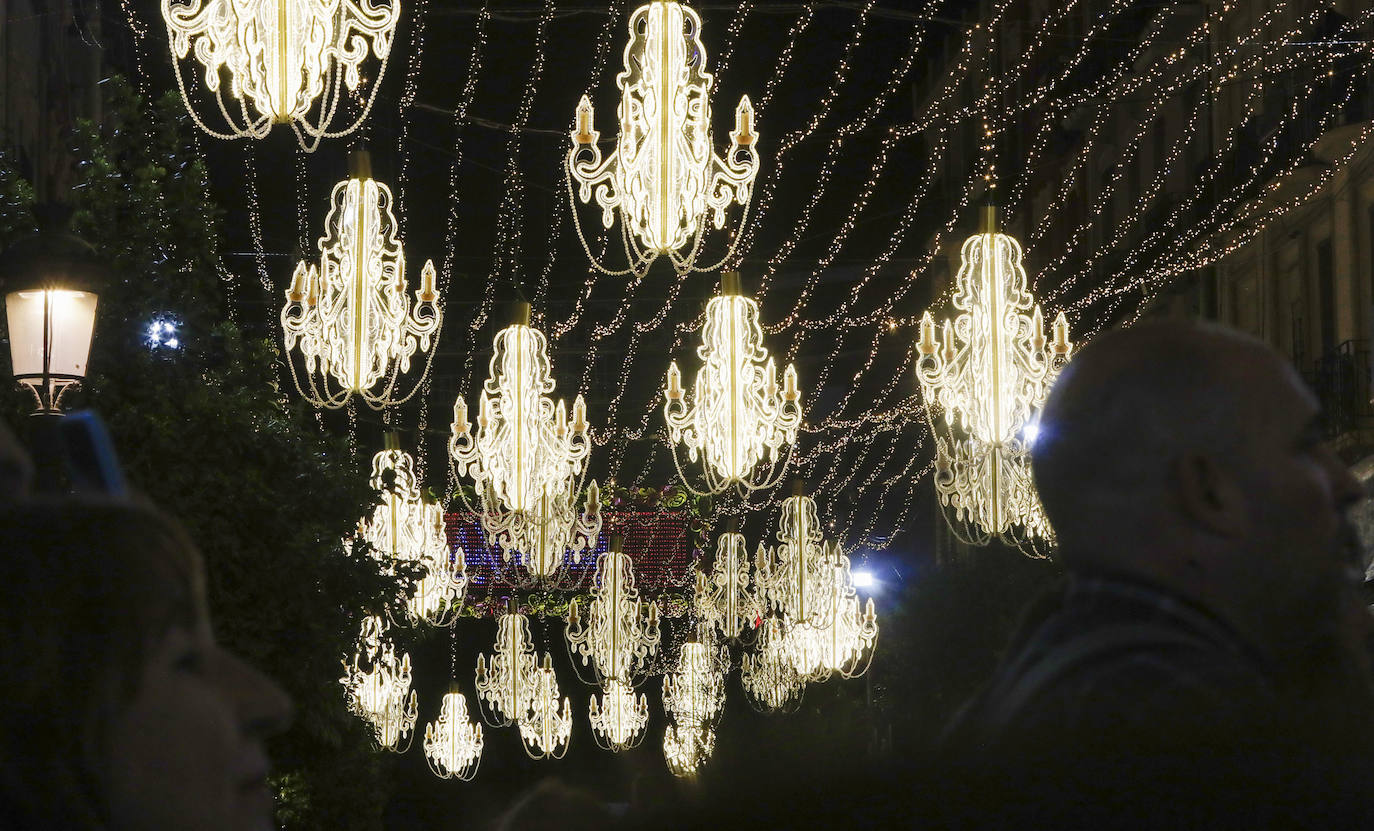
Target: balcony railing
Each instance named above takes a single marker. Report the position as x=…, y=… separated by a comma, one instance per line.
x=1341, y=381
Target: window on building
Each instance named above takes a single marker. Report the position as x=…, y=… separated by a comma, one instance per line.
x=1326, y=295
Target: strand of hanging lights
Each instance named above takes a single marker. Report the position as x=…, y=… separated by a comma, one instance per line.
x=723, y=598
x=405, y=527
x=737, y=417
x=526, y=460
x=664, y=176
x=349, y=317
x=377, y=687
x=693, y=698
x=987, y=378
x=616, y=637
x=268, y=62
x=453, y=742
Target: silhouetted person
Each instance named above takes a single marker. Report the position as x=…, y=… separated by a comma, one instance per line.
x=1203, y=663
x=120, y=711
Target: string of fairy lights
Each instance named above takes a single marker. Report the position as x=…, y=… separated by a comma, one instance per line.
x=885, y=221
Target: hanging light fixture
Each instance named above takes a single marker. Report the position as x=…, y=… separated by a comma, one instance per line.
x=737, y=417
x=687, y=747
x=526, y=460
x=453, y=743
x=546, y=729
x=376, y=685
x=350, y=317
x=693, y=697
x=723, y=599
x=791, y=576
x=987, y=378
x=506, y=680
x=620, y=632
x=403, y=526
x=280, y=61
x=618, y=718
x=663, y=176
x=771, y=683
x=839, y=641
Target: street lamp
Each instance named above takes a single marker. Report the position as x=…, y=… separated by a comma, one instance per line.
x=49, y=280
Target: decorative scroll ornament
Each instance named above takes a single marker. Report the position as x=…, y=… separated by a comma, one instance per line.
x=987, y=378
x=792, y=577
x=506, y=681
x=770, y=681
x=355, y=329
x=403, y=526
x=724, y=599
x=618, y=718
x=453, y=744
x=376, y=687
x=546, y=729
x=280, y=61
x=663, y=176
x=839, y=641
x=737, y=417
x=526, y=460
x=620, y=631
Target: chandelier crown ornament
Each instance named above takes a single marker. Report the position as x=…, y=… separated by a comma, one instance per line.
x=770, y=680
x=453, y=743
x=546, y=729
x=983, y=383
x=506, y=681
x=269, y=62
x=377, y=687
x=620, y=631
x=527, y=459
x=723, y=598
x=405, y=527
x=618, y=717
x=737, y=416
x=350, y=317
x=664, y=176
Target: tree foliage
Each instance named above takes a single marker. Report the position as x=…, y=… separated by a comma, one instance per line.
x=206, y=432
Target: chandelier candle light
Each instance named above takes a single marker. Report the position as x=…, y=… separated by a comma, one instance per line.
x=376, y=686
x=453, y=743
x=663, y=176
x=280, y=61
x=987, y=377
x=350, y=317
x=403, y=526
x=526, y=459
x=737, y=416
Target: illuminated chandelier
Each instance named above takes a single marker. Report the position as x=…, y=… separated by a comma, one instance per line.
x=620, y=631
x=770, y=681
x=839, y=641
x=687, y=747
x=355, y=328
x=287, y=61
x=526, y=460
x=546, y=729
x=403, y=526
x=505, y=681
x=376, y=686
x=663, y=176
x=693, y=696
x=737, y=417
x=723, y=598
x=791, y=577
x=618, y=718
x=987, y=378
x=453, y=743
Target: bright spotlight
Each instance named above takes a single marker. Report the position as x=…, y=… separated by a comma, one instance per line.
x=863, y=579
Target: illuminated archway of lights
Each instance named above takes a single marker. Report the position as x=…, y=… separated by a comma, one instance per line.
x=985, y=382
x=888, y=214
x=403, y=526
x=377, y=687
x=286, y=61
x=349, y=317
x=663, y=177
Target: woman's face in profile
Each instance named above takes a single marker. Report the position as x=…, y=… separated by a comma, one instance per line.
x=187, y=752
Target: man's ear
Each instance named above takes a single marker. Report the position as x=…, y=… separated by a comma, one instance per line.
x=1209, y=495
